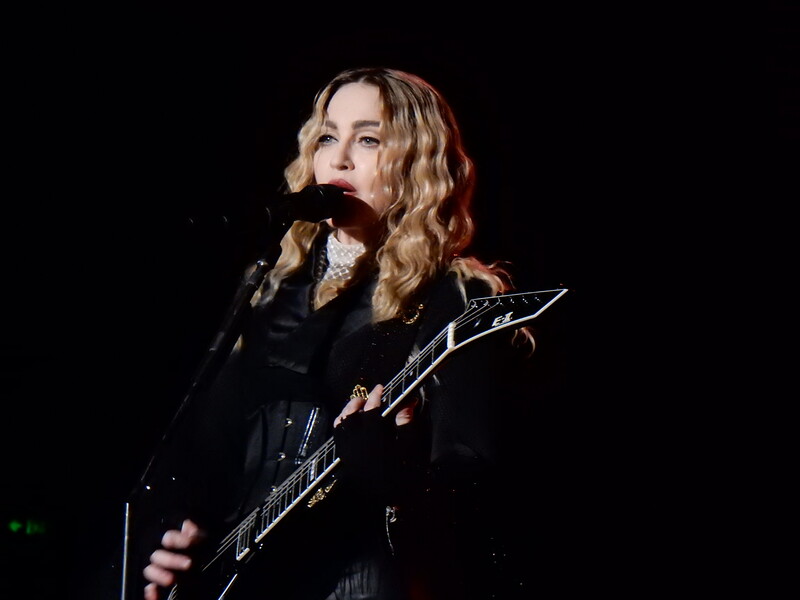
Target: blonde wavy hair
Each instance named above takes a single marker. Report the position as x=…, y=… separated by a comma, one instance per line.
x=430, y=179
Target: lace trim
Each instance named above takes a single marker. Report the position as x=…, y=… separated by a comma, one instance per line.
x=340, y=258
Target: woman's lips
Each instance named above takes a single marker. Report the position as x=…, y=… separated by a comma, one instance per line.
x=342, y=184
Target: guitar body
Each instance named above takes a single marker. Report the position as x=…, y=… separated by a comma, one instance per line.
x=274, y=566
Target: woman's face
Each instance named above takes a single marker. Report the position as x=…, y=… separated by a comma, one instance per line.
x=348, y=154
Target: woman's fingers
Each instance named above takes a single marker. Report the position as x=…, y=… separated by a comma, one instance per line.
x=353, y=406
x=374, y=398
x=151, y=591
x=357, y=404
x=166, y=561
x=158, y=571
x=405, y=415
x=188, y=536
x=173, y=561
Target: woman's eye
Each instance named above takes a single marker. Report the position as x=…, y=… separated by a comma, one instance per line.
x=325, y=139
x=370, y=141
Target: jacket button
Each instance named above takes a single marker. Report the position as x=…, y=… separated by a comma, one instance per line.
x=288, y=422
x=281, y=455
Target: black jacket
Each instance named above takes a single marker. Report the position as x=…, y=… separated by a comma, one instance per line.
x=272, y=405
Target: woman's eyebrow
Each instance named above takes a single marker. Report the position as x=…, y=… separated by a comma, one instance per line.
x=364, y=123
x=360, y=124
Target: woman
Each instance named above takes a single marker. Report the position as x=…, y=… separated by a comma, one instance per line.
x=345, y=305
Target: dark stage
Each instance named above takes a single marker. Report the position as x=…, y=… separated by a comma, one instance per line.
x=133, y=140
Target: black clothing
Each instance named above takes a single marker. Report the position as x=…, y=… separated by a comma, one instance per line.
x=413, y=521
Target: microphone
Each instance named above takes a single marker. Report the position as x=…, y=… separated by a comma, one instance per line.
x=313, y=203
x=267, y=224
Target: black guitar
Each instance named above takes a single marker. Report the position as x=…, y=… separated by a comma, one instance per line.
x=313, y=480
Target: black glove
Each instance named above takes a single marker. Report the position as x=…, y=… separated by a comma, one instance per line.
x=374, y=455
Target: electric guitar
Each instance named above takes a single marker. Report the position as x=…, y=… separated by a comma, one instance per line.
x=313, y=480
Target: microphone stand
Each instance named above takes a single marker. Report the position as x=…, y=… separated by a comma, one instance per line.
x=220, y=348
x=314, y=203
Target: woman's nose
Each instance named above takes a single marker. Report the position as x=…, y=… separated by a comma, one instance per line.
x=341, y=159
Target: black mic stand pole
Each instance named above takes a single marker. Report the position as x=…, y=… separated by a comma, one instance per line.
x=314, y=203
x=219, y=349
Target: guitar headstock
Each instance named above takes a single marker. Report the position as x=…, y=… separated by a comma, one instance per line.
x=482, y=316
x=492, y=313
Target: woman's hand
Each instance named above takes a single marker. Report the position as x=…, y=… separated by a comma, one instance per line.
x=171, y=558
x=374, y=450
x=404, y=416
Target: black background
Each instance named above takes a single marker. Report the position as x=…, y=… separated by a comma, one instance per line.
x=612, y=147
